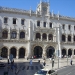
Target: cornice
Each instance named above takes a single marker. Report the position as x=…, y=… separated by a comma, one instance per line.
x=13, y=41
x=68, y=43
x=20, y=11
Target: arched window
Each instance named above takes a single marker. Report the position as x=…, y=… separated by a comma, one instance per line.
x=63, y=52
x=38, y=36
x=5, y=34
x=13, y=34
x=69, y=38
x=69, y=52
x=50, y=37
x=4, y=52
x=44, y=36
x=38, y=23
x=74, y=38
x=22, y=35
x=63, y=38
x=74, y=51
x=13, y=52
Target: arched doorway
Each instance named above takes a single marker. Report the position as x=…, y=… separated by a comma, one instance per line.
x=74, y=51
x=13, y=52
x=69, y=52
x=38, y=52
x=50, y=51
x=4, y=52
x=63, y=52
x=21, y=53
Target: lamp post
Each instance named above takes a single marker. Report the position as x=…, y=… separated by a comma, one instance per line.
x=58, y=41
x=67, y=60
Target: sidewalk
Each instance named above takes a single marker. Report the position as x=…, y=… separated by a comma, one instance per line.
x=62, y=62
x=57, y=64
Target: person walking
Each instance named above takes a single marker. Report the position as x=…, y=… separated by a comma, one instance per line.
x=44, y=63
x=71, y=62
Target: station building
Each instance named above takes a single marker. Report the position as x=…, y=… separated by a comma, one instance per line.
x=38, y=33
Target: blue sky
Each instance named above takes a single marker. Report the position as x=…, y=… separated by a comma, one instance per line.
x=65, y=7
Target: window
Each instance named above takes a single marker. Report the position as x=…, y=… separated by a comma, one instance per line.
x=44, y=36
x=63, y=26
x=38, y=36
x=74, y=27
x=13, y=34
x=74, y=38
x=44, y=24
x=69, y=27
x=50, y=37
x=63, y=38
x=69, y=38
x=22, y=21
x=5, y=20
x=38, y=23
x=5, y=34
x=22, y=35
x=14, y=21
x=50, y=25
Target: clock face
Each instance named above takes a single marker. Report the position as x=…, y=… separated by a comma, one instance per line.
x=44, y=9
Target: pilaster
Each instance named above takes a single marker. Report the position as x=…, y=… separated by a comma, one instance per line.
x=17, y=54
x=41, y=36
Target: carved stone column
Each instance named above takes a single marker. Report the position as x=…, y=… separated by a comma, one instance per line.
x=8, y=53
x=66, y=38
x=72, y=38
x=17, y=35
x=41, y=36
x=44, y=53
x=67, y=52
x=17, y=54
x=73, y=52
x=9, y=35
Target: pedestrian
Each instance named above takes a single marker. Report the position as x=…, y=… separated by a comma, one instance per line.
x=31, y=62
x=39, y=61
x=8, y=61
x=52, y=63
x=71, y=62
x=44, y=63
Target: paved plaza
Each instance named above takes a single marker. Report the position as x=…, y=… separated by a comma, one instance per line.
x=25, y=68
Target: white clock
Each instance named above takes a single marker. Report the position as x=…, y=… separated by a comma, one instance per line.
x=44, y=9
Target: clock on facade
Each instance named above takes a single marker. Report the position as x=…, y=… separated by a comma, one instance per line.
x=44, y=9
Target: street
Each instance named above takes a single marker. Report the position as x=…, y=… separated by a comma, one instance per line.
x=70, y=70
x=24, y=68
x=27, y=68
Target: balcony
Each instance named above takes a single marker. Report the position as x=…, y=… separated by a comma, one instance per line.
x=49, y=30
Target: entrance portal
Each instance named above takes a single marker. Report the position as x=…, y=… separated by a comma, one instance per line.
x=69, y=52
x=38, y=52
x=63, y=52
x=50, y=51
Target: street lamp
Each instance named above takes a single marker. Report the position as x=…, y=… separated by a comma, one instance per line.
x=58, y=40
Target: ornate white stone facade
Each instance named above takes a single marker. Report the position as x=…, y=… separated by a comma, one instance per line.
x=35, y=33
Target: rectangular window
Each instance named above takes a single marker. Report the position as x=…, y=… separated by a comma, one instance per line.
x=63, y=26
x=38, y=23
x=44, y=24
x=22, y=21
x=69, y=27
x=5, y=20
x=50, y=25
x=14, y=21
x=74, y=27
